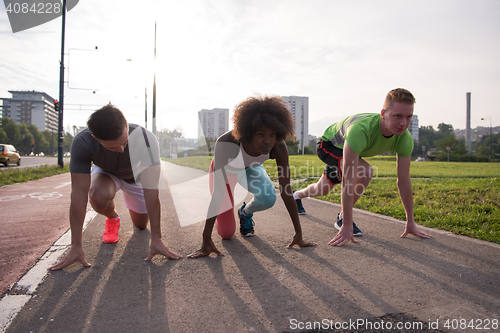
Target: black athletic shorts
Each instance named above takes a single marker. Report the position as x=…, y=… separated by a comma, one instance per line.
x=332, y=156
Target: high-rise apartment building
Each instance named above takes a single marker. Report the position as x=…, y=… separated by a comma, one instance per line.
x=299, y=107
x=213, y=123
x=31, y=107
x=413, y=128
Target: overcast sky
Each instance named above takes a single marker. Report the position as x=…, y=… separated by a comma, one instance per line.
x=344, y=55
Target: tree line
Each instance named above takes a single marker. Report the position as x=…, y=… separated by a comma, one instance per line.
x=26, y=138
x=434, y=143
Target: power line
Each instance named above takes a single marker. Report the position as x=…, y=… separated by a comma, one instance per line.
x=82, y=107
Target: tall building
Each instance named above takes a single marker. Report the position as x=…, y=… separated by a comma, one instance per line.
x=413, y=128
x=299, y=107
x=213, y=123
x=31, y=107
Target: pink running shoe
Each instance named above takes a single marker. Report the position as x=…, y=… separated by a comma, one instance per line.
x=111, y=230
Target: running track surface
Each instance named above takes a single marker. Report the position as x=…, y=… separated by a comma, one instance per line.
x=34, y=215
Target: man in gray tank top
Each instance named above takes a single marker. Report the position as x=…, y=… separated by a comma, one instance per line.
x=108, y=156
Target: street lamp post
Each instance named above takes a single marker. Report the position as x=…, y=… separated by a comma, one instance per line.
x=154, y=93
x=61, y=92
x=491, y=133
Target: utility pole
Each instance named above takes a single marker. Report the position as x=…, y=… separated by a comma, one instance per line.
x=61, y=92
x=467, y=124
x=154, y=91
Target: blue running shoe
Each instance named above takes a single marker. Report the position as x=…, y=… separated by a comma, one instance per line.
x=300, y=208
x=355, y=229
x=246, y=223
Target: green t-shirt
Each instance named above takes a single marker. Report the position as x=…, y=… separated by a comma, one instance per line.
x=362, y=133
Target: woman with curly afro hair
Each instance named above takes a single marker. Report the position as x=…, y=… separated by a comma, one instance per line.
x=261, y=126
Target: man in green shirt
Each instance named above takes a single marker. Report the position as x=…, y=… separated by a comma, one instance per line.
x=342, y=147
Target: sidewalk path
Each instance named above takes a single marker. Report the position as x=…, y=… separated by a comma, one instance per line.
x=261, y=286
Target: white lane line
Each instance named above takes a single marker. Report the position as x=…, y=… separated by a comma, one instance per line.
x=22, y=290
x=63, y=184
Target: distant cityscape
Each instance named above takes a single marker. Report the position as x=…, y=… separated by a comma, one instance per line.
x=37, y=108
x=213, y=123
x=477, y=133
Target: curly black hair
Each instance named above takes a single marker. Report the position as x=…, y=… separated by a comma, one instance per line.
x=262, y=112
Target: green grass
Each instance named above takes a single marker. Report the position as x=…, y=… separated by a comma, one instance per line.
x=8, y=177
x=386, y=168
x=463, y=206
x=460, y=197
x=195, y=162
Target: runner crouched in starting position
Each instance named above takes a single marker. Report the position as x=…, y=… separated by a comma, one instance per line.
x=108, y=156
x=342, y=147
x=261, y=126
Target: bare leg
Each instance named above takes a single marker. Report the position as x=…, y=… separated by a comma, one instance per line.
x=139, y=220
x=101, y=194
x=363, y=177
x=322, y=187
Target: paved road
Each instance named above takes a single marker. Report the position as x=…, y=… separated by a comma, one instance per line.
x=260, y=285
x=34, y=161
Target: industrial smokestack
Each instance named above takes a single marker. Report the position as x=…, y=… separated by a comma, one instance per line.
x=467, y=128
